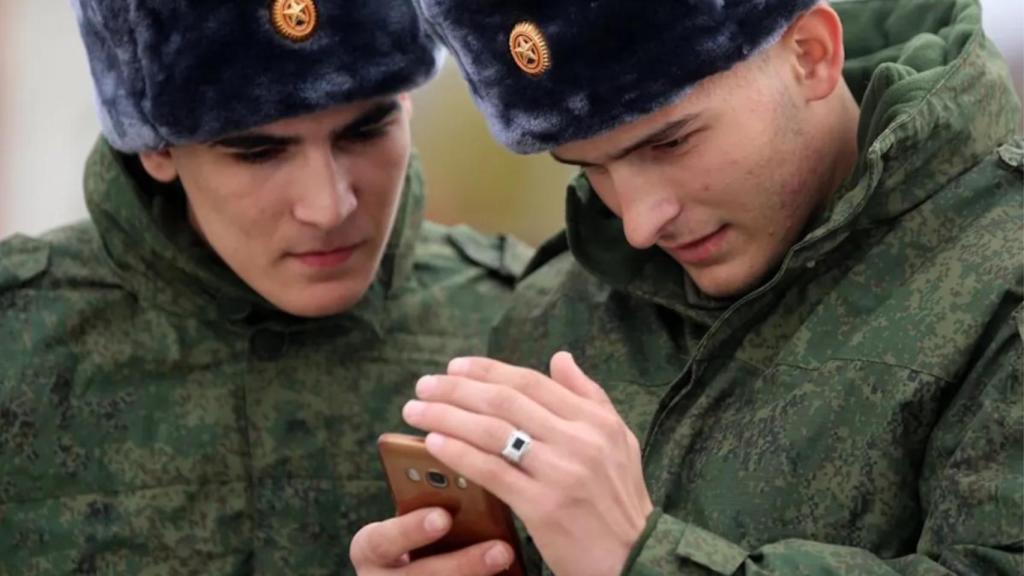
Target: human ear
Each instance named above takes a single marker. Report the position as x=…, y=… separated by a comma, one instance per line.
x=814, y=44
x=159, y=165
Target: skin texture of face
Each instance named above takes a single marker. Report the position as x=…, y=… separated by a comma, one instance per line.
x=300, y=209
x=726, y=179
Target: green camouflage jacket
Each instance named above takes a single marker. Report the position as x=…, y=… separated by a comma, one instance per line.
x=158, y=417
x=861, y=412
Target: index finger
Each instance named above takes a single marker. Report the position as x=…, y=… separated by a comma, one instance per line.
x=560, y=400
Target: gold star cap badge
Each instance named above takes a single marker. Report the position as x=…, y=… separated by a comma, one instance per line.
x=529, y=49
x=294, y=19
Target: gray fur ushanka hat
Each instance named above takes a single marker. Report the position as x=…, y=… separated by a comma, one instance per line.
x=547, y=72
x=169, y=72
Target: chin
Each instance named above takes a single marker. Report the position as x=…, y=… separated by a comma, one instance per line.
x=720, y=292
x=324, y=300
x=317, y=309
x=724, y=284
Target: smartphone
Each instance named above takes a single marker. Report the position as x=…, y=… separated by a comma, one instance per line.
x=418, y=480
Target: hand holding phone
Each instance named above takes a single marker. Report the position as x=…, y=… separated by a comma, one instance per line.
x=417, y=480
x=382, y=549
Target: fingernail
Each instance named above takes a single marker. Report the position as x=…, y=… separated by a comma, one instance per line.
x=413, y=409
x=436, y=522
x=426, y=386
x=458, y=366
x=497, y=557
x=434, y=441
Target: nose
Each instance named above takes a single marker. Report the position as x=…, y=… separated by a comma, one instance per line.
x=327, y=192
x=646, y=206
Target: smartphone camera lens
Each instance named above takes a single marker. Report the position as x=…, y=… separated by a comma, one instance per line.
x=437, y=479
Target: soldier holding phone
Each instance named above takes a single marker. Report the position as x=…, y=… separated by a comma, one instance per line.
x=791, y=282
x=192, y=381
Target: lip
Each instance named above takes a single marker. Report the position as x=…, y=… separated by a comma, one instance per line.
x=701, y=250
x=327, y=258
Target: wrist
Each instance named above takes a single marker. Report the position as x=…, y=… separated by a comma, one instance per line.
x=641, y=540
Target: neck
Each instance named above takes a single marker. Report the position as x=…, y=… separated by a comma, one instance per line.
x=846, y=150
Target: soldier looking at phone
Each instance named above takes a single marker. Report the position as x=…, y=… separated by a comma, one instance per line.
x=791, y=284
x=192, y=381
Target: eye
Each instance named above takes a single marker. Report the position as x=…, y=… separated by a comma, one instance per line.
x=368, y=134
x=670, y=144
x=677, y=142
x=258, y=155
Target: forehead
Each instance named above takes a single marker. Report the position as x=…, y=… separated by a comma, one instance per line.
x=324, y=120
x=632, y=131
x=723, y=91
x=324, y=125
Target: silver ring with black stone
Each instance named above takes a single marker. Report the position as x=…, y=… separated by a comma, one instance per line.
x=516, y=446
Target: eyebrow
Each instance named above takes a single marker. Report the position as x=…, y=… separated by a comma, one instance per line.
x=258, y=140
x=665, y=132
x=375, y=115
x=254, y=141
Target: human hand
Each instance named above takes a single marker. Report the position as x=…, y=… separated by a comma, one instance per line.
x=382, y=549
x=579, y=488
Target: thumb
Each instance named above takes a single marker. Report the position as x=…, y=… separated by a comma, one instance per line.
x=565, y=371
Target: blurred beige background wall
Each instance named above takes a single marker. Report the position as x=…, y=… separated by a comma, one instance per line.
x=470, y=178
x=47, y=126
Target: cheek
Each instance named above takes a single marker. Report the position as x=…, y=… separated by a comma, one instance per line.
x=796, y=197
x=784, y=209
x=257, y=212
x=380, y=179
x=744, y=186
x=720, y=181
x=236, y=213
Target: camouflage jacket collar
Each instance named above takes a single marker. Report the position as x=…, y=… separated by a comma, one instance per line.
x=160, y=258
x=935, y=98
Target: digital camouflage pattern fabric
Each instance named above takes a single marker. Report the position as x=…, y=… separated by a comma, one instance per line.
x=158, y=417
x=860, y=412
